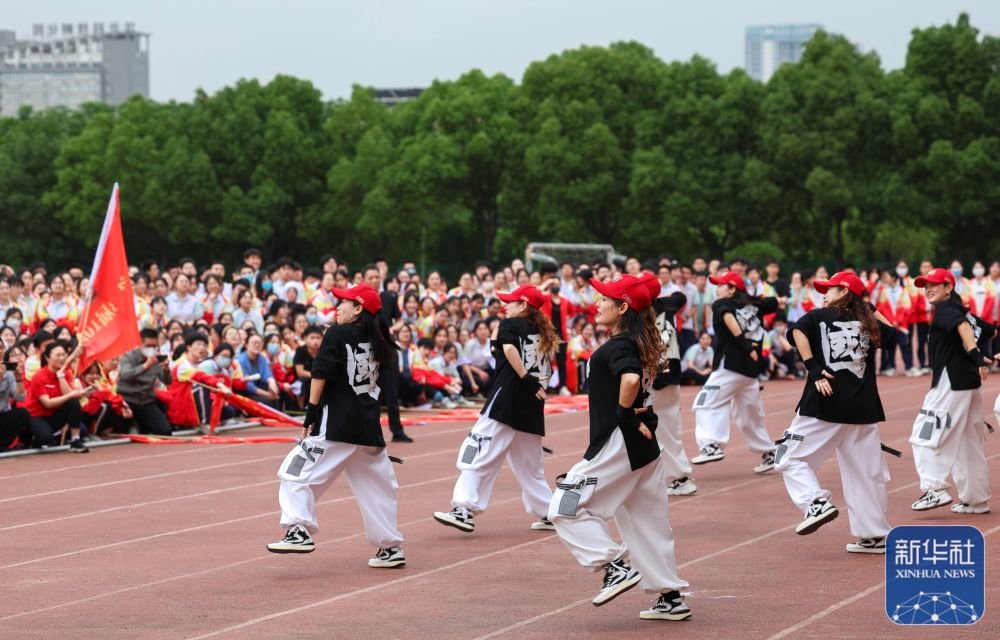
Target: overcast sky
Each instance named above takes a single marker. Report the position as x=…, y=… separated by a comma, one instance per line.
x=406, y=43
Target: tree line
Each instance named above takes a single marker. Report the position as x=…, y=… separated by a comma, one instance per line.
x=833, y=160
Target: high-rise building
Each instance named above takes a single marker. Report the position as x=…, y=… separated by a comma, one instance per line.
x=770, y=46
x=68, y=65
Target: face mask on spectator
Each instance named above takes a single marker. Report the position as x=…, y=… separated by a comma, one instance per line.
x=224, y=362
x=149, y=352
x=312, y=318
x=267, y=285
x=979, y=272
x=273, y=348
x=555, y=289
x=902, y=271
x=14, y=324
x=957, y=272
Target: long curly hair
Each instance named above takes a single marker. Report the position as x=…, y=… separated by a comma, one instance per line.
x=549, y=342
x=858, y=308
x=640, y=326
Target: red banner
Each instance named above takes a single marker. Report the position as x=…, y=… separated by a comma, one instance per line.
x=109, y=326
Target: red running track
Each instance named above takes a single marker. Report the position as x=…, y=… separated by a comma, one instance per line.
x=148, y=542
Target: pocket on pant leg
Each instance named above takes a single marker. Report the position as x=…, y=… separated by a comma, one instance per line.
x=473, y=447
x=572, y=491
x=930, y=428
x=788, y=443
x=705, y=397
x=297, y=465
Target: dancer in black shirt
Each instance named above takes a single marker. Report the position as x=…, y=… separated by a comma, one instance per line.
x=621, y=475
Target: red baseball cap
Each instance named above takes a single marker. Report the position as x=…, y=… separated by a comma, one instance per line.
x=731, y=278
x=526, y=293
x=652, y=283
x=625, y=288
x=935, y=276
x=846, y=279
x=363, y=295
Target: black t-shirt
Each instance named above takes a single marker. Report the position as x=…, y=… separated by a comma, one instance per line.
x=351, y=396
x=606, y=366
x=302, y=357
x=557, y=320
x=781, y=287
x=945, y=346
x=390, y=307
x=735, y=349
x=838, y=342
x=508, y=401
x=666, y=310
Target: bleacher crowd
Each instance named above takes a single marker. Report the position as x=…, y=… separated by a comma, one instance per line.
x=207, y=333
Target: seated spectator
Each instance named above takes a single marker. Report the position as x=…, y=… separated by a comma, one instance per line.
x=54, y=401
x=447, y=365
x=139, y=371
x=782, y=356
x=253, y=361
x=303, y=359
x=104, y=411
x=411, y=392
x=439, y=387
x=282, y=357
x=697, y=361
x=182, y=305
x=478, y=356
x=223, y=367
x=15, y=421
x=580, y=348
x=182, y=410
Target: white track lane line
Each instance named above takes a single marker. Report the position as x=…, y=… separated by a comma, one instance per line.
x=769, y=534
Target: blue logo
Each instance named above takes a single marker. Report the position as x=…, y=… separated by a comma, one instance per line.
x=935, y=575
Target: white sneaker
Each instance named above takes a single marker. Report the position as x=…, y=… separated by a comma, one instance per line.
x=619, y=577
x=912, y=372
x=926, y=371
x=681, y=487
x=820, y=512
x=867, y=545
x=669, y=606
x=390, y=558
x=932, y=499
x=296, y=540
x=709, y=453
x=448, y=403
x=465, y=402
x=543, y=524
x=963, y=507
x=766, y=463
x=459, y=517
x=888, y=373
x=564, y=391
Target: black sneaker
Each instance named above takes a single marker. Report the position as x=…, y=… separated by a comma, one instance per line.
x=619, y=577
x=820, y=512
x=77, y=446
x=708, y=453
x=766, y=463
x=390, y=558
x=296, y=540
x=459, y=517
x=399, y=436
x=669, y=606
x=867, y=545
x=543, y=524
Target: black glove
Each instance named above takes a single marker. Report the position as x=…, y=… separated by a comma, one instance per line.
x=311, y=421
x=749, y=346
x=530, y=385
x=628, y=418
x=978, y=357
x=816, y=370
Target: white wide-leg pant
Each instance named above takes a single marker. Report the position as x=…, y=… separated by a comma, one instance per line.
x=667, y=405
x=730, y=395
x=810, y=442
x=481, y=457
x=594, y=491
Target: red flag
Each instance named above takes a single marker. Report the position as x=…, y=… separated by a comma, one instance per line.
x=109, y=327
